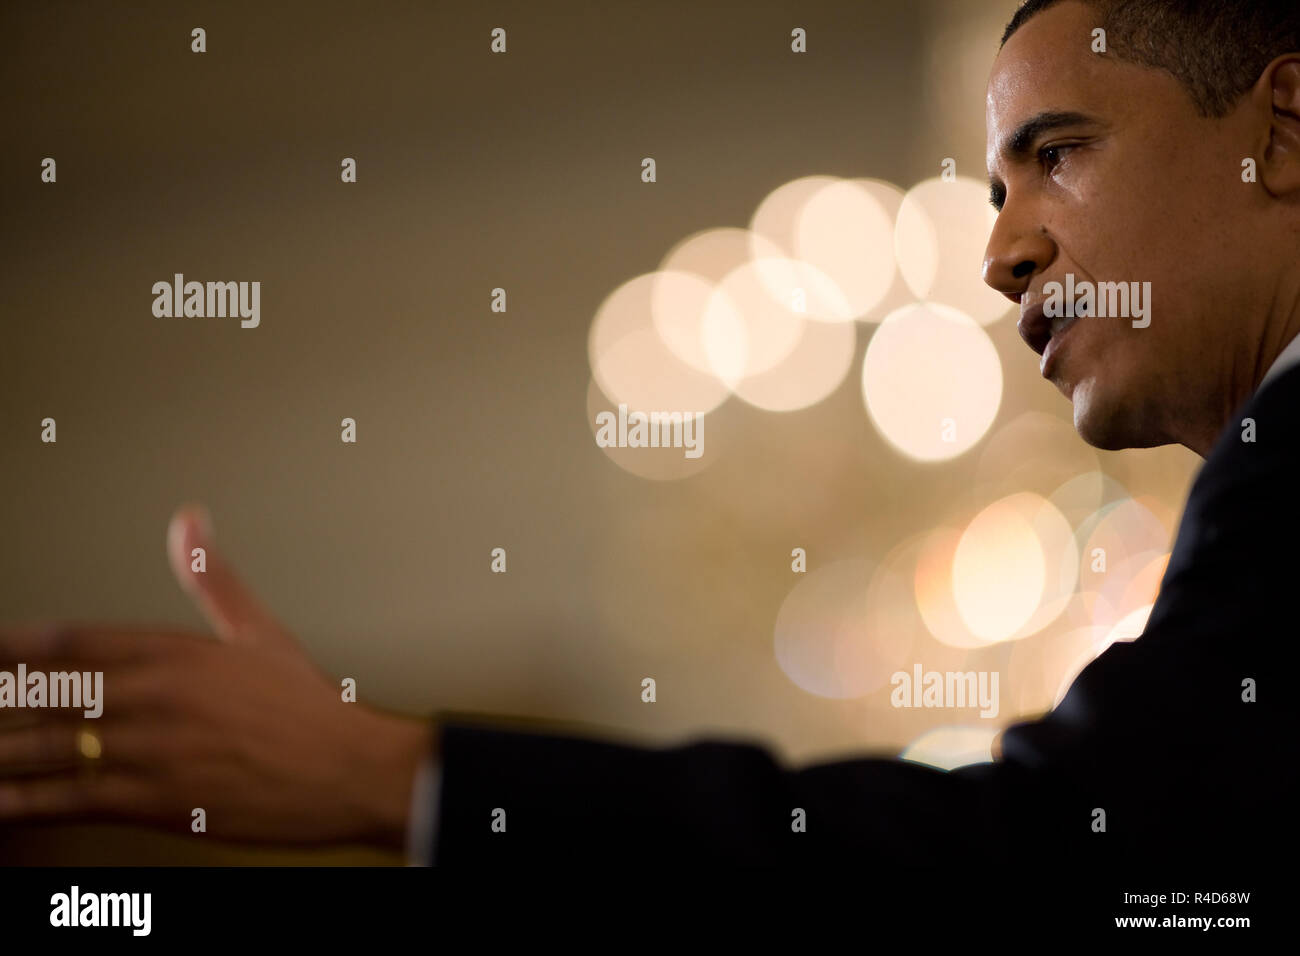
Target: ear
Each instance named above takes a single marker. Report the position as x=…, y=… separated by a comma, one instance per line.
x=1279, y=168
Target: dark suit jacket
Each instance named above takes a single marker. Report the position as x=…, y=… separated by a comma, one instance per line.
x=1154, y=732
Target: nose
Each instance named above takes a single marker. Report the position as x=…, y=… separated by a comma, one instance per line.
x=1015, y=254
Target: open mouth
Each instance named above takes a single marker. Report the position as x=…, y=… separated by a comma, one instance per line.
x=1060, y=326
x=1046, y=335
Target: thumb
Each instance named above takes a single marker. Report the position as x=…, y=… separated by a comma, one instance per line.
x=228, y=606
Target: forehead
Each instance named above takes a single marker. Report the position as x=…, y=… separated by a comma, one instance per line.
x=1049, y=65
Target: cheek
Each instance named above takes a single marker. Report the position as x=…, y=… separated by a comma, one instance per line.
x=1124, y=365
x=1117, y=218
x=1106, y=356
x=1100, y=337
x=1120, y=347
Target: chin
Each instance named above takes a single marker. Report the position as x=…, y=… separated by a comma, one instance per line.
x=1106, y=422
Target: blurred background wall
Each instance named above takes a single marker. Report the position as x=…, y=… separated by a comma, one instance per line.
x=475, y=430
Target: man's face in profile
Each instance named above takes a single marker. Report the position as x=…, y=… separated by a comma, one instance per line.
x=1121, y=180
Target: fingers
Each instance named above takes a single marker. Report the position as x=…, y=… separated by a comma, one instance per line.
x=42, y=746
x=145, y=691
x=58, y=744
x=106, y=794
x=225, y=602
x=83, y=645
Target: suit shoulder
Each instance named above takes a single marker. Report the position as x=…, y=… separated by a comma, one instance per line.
x=1260, y=443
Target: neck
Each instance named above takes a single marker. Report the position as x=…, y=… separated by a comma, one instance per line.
x=1242, y=379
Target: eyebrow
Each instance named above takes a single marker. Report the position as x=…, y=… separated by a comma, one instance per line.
x=1018, y=146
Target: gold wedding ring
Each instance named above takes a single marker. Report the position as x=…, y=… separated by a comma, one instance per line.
x=89, y=746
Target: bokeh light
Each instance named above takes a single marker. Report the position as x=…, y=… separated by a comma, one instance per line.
x=1039, y=666
x=815, y=367
x=951, y=747
x=776, y=219
x=942, y=231
x=823, y=642
x=631, y=363
x=1037, y=452
x=932, y=381
x=1007, y=575
x=683, y=289
x=846, y=232
x=1111, y=538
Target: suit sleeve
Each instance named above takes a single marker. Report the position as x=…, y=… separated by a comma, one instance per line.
x=1158, y=751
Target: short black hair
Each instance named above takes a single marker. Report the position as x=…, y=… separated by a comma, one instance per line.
x=1217, y=49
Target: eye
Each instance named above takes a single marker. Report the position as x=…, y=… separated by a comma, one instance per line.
x=1051, y=156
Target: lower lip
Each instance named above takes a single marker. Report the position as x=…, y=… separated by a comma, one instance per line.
x=1053, y=347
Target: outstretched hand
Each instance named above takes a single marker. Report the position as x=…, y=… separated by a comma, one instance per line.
x=243, y=726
